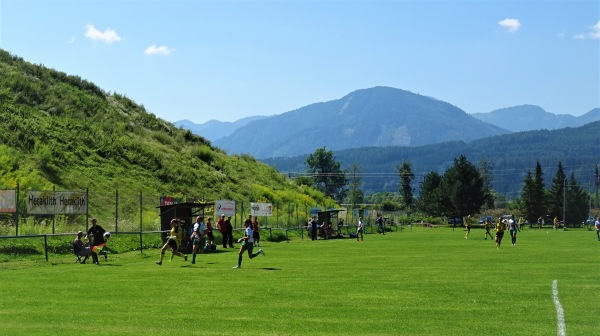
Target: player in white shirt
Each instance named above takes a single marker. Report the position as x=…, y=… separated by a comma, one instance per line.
x=247, y=244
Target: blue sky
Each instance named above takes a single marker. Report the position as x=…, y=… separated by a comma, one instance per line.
x=225, y=60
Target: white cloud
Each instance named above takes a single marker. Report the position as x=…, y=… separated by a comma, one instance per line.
x=155, y=50
x=592, y=34
x=511, y=25
x=108, y=36
x=71, y=40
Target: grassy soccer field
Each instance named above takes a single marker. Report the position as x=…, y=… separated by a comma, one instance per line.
x=419, y=282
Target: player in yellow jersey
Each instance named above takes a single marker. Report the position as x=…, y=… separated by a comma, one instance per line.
x=500, y=227
x=487, y=225
x=173, y=240
x=468, y=222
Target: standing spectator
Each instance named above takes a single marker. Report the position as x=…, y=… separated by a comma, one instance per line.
x=255, y=229
x=314, y=226
x=380, y=227
x=597, y=224
x=360, y=228
x=229, y=231
x=96, y=232
x=173, y=241
x=247, y=244
x=468, y=222
x=198, y=237
x=80, y=249
x=222, y=227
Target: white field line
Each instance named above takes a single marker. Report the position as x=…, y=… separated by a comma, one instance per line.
x=560, y=315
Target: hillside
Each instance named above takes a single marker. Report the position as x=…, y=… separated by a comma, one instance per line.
x=531, y=117
x=511, y=156
x=380, y=116
x=60, y=131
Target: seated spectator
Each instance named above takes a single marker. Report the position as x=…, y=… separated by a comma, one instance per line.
x=80, y=248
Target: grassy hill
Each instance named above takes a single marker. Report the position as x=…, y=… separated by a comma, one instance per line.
x=61, y=131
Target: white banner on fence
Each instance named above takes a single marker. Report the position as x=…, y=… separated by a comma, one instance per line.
x=8, y=201
x=261, y=209
x=56, y=203
x=224, y=207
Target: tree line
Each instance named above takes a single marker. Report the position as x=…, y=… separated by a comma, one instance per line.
x=461, y=190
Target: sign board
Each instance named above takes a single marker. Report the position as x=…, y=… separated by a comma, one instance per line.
x=224, y=207
x=168, y=200
x=261, y=209
x=56, y=203
x=8, y=201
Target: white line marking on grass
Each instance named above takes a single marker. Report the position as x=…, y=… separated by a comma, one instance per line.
x=560, y=315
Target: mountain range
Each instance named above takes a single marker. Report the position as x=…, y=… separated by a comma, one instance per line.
x=379, y=117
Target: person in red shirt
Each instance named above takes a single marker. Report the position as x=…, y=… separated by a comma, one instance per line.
x=222, y=227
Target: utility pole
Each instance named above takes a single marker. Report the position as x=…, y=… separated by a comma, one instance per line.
x=597, y=185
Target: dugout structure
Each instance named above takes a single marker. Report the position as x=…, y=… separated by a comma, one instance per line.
x=186, y=211
x=329, y=216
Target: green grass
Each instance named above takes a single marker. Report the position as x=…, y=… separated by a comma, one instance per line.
x=420, y=282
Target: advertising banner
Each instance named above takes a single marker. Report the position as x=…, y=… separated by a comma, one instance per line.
x=224, y=207
x=56, y=203
x=261, y=209
x=8, y=201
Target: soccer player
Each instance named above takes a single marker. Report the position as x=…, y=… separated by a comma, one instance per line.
x=512, y=229
x=173, y=241
x=360, y=228
x=521, y=223
x=487, y=224
x=468, y=222
x=97, y=233
x=500, y=226
x=597, y=224
x=247, y=244
x=198, y=237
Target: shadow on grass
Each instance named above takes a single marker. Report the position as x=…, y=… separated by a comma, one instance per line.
x=271, y=269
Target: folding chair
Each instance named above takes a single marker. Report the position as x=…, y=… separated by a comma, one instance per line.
x=76, y=251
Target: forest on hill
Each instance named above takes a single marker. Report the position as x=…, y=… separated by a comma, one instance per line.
x=60, y=131
x=510, y=156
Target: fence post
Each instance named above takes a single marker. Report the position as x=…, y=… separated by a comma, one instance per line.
x=141, y=206
x=46, y=246
x=117, y=210
x=16, y=214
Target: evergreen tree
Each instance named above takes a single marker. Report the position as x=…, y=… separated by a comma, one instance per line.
x=485, y=170
x=557, y=192
x=538, y=199
x=430, y=197
x=577, y=203
x=527, y=199
x=327, y=175
x=463, y=189
x=406, y=190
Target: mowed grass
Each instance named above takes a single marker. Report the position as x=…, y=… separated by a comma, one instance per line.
x=419, y=282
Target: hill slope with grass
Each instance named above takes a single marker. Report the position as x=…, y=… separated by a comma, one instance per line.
x=61, y=131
